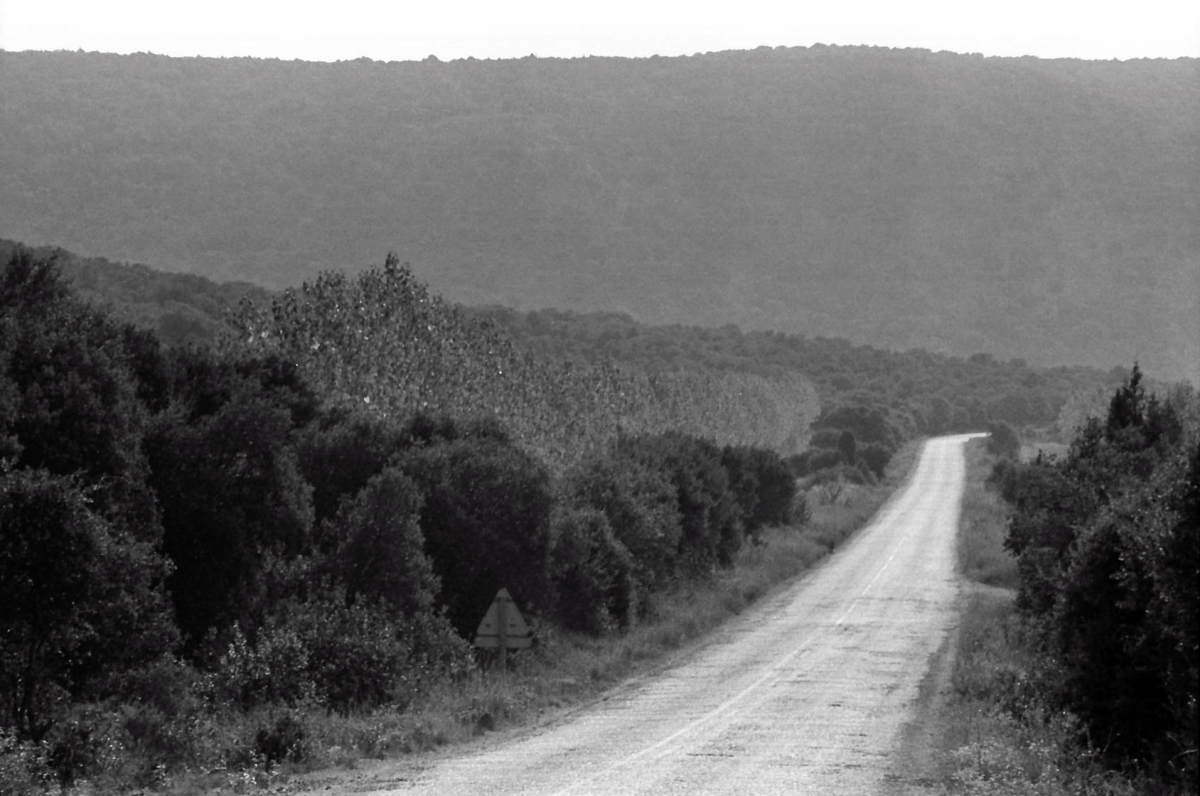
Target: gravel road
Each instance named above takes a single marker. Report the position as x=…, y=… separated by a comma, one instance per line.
x=804, y=694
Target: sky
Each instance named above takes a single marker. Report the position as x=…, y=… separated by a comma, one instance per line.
x=404, y=30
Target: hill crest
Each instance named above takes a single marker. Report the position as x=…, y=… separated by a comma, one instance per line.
x=1026, y=208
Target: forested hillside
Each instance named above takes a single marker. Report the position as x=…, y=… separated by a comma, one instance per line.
x=1020, y=207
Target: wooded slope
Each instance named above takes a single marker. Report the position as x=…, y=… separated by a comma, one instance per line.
x=1023, y=207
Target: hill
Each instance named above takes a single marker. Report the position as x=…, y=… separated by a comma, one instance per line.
x=1022, y=207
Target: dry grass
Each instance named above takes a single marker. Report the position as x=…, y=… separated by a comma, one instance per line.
x=982, y=526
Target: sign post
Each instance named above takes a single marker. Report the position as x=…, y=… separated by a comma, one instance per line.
x=503, y=628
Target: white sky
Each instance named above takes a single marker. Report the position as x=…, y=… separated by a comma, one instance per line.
x=412, y=29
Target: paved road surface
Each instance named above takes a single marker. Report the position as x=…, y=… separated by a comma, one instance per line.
x=805, y=694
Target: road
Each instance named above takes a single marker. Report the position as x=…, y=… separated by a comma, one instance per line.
x=804, y=694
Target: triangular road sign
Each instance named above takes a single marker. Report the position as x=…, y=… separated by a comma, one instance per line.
x=502, y=622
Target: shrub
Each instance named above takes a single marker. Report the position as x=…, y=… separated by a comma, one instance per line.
x=641, y=507
x=593, y=573
x=1003, y=441
x=23, y=768
x=342, y=656
x=711, y=519
x=284, y=741
x=764, y=486
x=486, y=517
x=340, y=454
x=378, y=548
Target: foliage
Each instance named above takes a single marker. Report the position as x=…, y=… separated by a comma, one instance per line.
x=593, y=573
x=341, y=655
x=341, y=452
x=383, y=340
x=1003, y=441
x=485, y=512
x=1105, y=541
x=764, y=487
x=574, y=183
x=80, y=598
x=711, y=522
x=240, y=451
x=641, y=506
x=379, y=551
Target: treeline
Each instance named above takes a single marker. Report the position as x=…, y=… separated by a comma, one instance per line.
x=872, y=400
x=878, y=396
x=382, y=339
x=191, y=532
x=1107, y=542
x=928, y=393
x=180, y=308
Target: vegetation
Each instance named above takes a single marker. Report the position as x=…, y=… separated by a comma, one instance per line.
x=1087, y=679
x=205, y=548
x=764, y=188
x=382, y=340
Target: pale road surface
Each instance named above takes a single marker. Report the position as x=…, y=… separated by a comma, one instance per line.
x=804, y=694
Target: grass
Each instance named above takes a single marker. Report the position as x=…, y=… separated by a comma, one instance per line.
x=982, y=526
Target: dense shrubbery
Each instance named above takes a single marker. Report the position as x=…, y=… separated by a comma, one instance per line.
x=1108, y=546
x=189, y=532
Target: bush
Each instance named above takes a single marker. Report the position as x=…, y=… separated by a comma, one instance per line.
x=1105, y=541
x=711, y=519
x=875, y=458
x=341, y=656
x=340, y=454
x=593, y=573
x=23, y=768
x=763, y=484
x=285, y=741
x=486, y=517
x=1002, y=441
x=378, y=548
x=641, y=507
x=80, y=598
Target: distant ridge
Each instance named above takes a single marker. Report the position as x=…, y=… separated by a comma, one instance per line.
x=1042, y=209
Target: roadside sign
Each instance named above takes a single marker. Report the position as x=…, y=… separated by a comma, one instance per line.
x=502, y=627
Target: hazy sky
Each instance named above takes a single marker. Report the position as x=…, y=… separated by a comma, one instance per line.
x=412, y=29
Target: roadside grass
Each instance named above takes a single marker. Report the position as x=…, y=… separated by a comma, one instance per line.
x=995, y=732
x=566, y=669
x=982, y=526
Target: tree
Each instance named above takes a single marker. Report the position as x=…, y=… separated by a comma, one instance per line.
x=641, y=506
x=848, y=447
x=1003, y=441
x=380, y=553
x=485, y=513
x=81, y=597
x=593, y=573
x=710, y=518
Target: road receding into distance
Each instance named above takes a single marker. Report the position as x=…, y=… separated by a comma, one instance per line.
x=804, y=694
